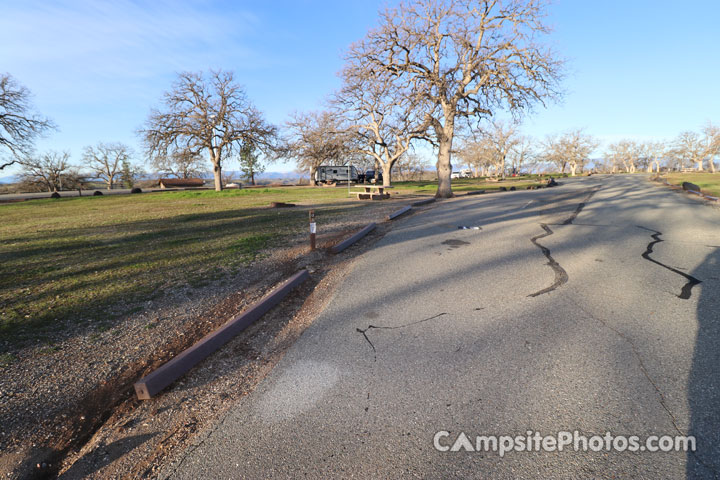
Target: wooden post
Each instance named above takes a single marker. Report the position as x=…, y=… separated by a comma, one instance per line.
x=312, y=230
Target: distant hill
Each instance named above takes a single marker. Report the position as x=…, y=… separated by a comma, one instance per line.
x=9, y=179
x=273, y=175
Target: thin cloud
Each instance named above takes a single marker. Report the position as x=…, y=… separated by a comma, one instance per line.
x=74, y=51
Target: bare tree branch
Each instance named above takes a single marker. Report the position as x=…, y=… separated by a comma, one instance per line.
x=105, y=160
x=19, y=124
x=316, y=138
x=179, y=164
x=571, y=149
x=50, y=172
x=466, y=59
x=626, y=153
x=207, y=114
x=384, y=116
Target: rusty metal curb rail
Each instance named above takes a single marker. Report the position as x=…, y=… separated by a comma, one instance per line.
x=149, y=385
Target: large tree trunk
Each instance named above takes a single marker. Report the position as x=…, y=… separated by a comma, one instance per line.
x=700, y=166
x=711, y=165
x=444, y=162
x=444, y=168
x=387, y=173
x=217, y=172
x=573, y=167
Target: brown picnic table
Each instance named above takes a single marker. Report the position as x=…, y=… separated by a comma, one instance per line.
x=372, y=192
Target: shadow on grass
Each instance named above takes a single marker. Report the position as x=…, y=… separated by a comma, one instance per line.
x=84, y=276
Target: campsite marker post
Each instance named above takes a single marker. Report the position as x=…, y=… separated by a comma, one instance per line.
x=312, y=230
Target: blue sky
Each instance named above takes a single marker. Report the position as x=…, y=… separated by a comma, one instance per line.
x=638, y=69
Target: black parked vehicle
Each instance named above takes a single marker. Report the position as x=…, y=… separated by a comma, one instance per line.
x=370, y=176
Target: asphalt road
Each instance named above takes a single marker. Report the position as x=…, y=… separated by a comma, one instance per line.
x=479, y=331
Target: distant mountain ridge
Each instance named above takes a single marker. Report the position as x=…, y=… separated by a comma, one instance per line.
x=9, y=179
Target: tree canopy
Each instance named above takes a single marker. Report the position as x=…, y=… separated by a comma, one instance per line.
x=207, y=113
x=20, y=124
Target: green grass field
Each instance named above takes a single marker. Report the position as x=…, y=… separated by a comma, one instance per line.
x=94, y=259
x=708, y=182
x=91, y=260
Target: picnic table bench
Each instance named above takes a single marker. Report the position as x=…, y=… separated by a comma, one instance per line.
x=372, y=192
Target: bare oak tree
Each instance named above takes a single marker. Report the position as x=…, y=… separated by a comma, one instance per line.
x=316, y=138
x=689, y=148
x=178, y=164
x=523, y=153
x=491, y=150
x=655, y=152
x=211, y=115
x=626, y=153
x=478, y=153
x=47, y=171
x=570, y=149
x=711, y=143
x=468, y=58
x=552, y=152
x=502, y=140
x=411, y=166
x=384, y=115
x=105, y=160
x=20, y=125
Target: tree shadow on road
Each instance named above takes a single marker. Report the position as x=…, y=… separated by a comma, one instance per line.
x=704, y=379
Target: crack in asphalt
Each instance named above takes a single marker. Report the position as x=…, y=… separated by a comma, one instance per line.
x=380, y=327
x=561, y=275
x=581, y=205
x=646, y=374
x=686, y=290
